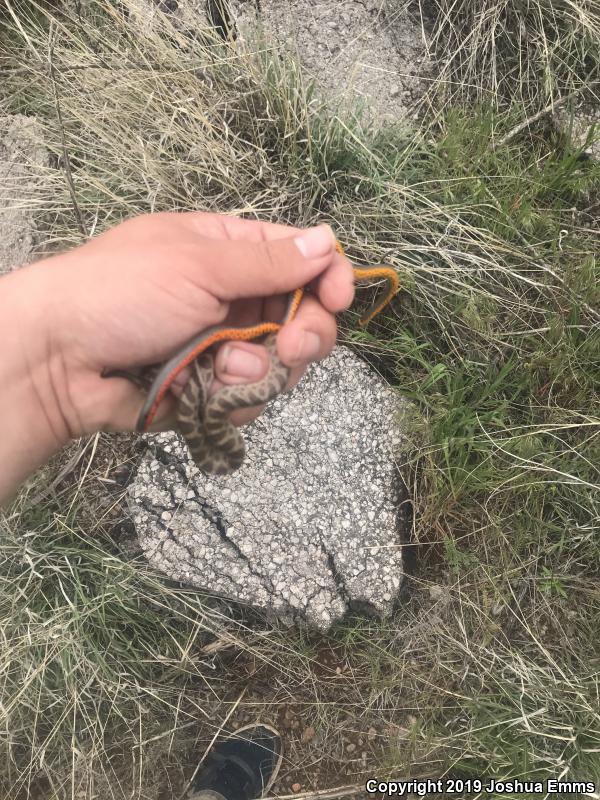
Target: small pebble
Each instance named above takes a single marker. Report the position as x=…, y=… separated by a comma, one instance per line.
x=436, y=591
x=308, y=734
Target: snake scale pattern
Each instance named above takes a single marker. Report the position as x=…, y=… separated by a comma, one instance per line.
x=214, y=442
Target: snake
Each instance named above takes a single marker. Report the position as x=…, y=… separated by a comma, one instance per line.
x=216, y=445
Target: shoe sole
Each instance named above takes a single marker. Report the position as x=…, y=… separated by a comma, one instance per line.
x=272, y=730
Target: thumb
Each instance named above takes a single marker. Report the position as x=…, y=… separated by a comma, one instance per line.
x=241, y=268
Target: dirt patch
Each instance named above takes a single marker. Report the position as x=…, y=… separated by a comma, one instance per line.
x=364, y=51
x=22, y=154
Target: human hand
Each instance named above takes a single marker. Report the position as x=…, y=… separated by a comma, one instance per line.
x=133, y=295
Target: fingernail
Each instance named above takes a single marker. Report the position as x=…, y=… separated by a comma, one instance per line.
x=316, y=242
x=240, y=363
x=309, y=347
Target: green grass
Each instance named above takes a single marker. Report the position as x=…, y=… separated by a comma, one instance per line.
x=491, y=666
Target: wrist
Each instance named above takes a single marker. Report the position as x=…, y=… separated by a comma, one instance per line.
x=32, y=425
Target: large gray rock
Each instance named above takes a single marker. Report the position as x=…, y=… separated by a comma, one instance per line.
x=309, y=527
x=23, y=159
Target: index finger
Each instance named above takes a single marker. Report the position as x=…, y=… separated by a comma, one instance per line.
x=334, y=285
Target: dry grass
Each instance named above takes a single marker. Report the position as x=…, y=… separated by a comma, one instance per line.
x=114, y=679
x=499, y=51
